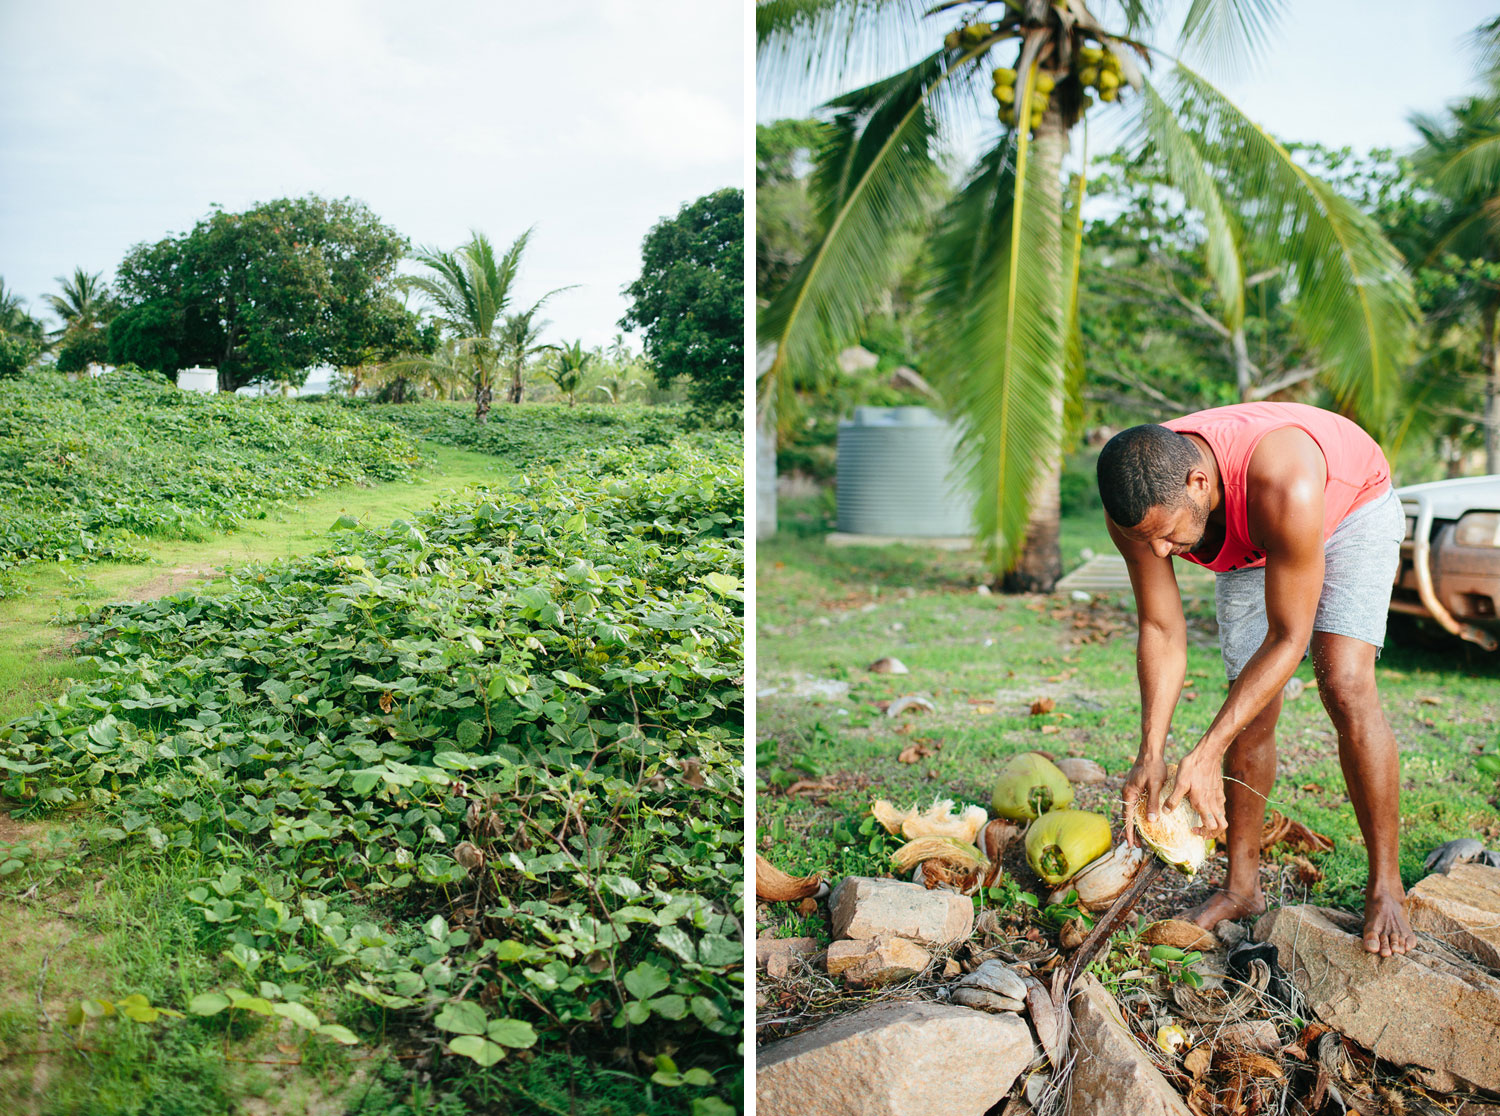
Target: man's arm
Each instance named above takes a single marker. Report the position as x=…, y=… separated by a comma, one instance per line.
x=1160, y=666
x=1286, y=520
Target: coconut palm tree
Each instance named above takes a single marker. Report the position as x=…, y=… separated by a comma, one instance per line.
x=1461, y=153
x=521, y=339
x=1004, y=345
x=568, y=368
x=471, y=290
x=15, y=321
x=85, y=302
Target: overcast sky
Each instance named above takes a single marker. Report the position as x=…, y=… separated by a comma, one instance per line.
x=1337, y=72
x=592, y=120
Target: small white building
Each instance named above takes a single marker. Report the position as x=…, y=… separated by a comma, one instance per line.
x=198, y=379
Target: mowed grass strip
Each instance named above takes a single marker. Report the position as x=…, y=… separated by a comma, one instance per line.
x=826, y=614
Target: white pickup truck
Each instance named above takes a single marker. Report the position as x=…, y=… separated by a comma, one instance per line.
x=1450, y=558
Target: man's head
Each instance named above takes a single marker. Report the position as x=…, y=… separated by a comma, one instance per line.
x=1155, y=487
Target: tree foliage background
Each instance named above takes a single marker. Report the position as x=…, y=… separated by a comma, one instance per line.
x=689, y=302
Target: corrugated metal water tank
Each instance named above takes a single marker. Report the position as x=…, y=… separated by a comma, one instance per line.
x=894, y=475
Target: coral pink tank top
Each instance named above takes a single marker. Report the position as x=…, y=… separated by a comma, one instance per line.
x=1357, y=469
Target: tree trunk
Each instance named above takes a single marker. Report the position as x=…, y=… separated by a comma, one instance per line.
x=482, y=397
x=1039, y=566
x=514, y=394
x=1489, y=356
x=765, y=476
x=1242, y=366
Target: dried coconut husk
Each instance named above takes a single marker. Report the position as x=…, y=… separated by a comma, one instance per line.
x=934, y=874
x=1282, y=830
x=890, y=817
x=938, y=820
x=1100, y=882
x=944, y=850
x=775, y=886
x=1180, y=933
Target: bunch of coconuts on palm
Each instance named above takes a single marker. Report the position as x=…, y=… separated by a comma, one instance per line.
x=1071, y=56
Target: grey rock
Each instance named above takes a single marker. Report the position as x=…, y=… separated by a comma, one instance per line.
x=1428, y=1008
x=1449, y=853
x=1112, y=1075
x=869, y=907
x=895, y=1059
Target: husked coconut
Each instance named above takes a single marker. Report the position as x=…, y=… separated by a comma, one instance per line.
x=1102, y=881
x=1029, y=785
x=1171, y=835
x=1061, y=842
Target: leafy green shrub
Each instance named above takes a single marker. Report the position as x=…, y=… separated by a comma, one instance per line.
x=512, y=726
x=88, y=469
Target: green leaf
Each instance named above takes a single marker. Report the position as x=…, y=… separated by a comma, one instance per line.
x=299, y=1015
x=711, y=1106
x=480, y=1050
x=339, y=1033
x=724, y=584
x=208, y=1003
x=512, y=1032
x=462, y=1016
x=645, y=980
x=1489, y=764
x=345, y=523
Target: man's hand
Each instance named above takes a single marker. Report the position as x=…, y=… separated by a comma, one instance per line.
x=1201, y=781
x=1145, y=778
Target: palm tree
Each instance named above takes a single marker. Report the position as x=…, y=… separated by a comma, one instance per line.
x=1004, y=258
x=521, y=338
x=15, y=321
x=568, y=369
x=85, y=303
x=1461, y=153
x=471, y=291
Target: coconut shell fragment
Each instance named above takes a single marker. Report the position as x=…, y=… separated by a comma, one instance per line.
x=1180, y=933
x=775, y=886
x=1102, y=881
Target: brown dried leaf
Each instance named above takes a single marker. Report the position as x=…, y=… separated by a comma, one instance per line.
x=1042, y=705
x=775, y=886
x=1247, y=1063
x=807, y=907
x=1048, y=730
x=387, y=702
x=692, y=773
x=1307, y=872
x=913, y=752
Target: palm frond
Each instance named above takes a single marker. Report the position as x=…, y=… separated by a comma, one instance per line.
x=805, y=48
x=1190, y=172
x=1473, y=170
x=874, y=177
x=1228, y=33
x=998, y=331
x=1074, y=370
x=1354, y=304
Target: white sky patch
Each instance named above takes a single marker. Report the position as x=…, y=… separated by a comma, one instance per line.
x=592, y=121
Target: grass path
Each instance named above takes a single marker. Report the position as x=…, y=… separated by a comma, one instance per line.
x=36, y=626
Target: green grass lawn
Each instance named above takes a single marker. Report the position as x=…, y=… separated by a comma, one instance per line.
x=824, y=615
x=35, y=623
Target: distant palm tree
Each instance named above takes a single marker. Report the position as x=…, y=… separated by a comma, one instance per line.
x=85, y=303
x=1005, y=346
x=1461, y=154
x=521, y=339
x=15, y=321
x=471, y=290
x=568, y=368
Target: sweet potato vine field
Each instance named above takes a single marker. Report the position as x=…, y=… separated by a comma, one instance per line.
x=465, y=791
x=89, y=469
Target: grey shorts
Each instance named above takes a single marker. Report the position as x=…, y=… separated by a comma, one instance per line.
x=1360, y=560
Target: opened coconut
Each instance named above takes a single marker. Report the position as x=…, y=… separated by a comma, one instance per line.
x=1103, y=881
x=1171, y=835
x=1029, y=785
x=938, y=820
x=1061, y=842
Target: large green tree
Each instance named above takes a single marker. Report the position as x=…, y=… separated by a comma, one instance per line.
x=689, y=302
x=1005, y=256
x=22, y=337
x=263, y=295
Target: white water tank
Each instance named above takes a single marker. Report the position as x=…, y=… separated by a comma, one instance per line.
x=198, y=379
x=895, y=475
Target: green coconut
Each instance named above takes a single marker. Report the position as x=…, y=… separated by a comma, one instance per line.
x=1029, y=785
x=1062, y=842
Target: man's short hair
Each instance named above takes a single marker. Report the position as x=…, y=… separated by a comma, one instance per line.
x=1142, y=468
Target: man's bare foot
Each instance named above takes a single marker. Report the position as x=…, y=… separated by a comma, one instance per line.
x=1386, y=928
x=1224, y=904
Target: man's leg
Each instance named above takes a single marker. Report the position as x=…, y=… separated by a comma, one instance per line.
x=1345, y=669
x=1249, y=771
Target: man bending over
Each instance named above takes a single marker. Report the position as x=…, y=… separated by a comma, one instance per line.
x=1292, y=508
